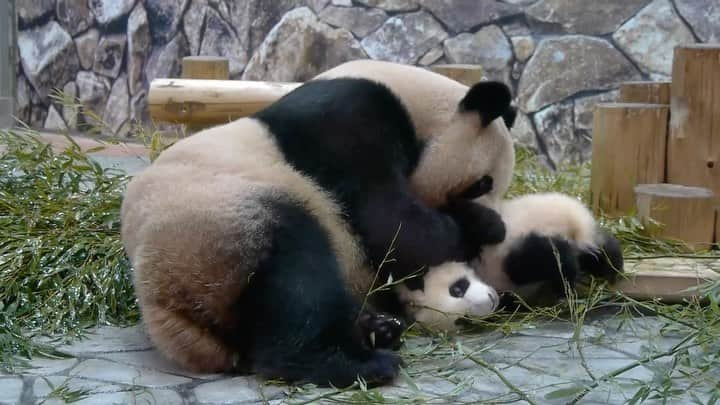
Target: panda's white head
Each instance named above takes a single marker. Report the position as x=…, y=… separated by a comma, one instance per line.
x=450, y=292
x=464, y=129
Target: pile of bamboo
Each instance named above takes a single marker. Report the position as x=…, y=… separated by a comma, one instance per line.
x=656, y=151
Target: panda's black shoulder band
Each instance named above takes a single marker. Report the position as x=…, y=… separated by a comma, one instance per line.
x=491, y=99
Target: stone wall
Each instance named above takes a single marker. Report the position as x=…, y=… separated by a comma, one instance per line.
x=561, y=57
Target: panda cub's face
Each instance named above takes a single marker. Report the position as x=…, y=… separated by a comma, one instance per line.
x=450, y=292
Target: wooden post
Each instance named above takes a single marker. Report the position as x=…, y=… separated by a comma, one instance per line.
x=717, y=225
x=694, y=141
x=465, y=74
x=645, y=92
x=205, y=67
x=7, y=66
x=210, y=102
x=685, y=213
x=628, y=148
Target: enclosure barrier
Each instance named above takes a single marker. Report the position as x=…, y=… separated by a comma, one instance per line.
x=205, y=96
x=657, y=152
x=645, y=92
x=628, y=149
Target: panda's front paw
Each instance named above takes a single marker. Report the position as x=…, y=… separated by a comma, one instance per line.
x=477, y=189
x=479, y=225
x=381, y=331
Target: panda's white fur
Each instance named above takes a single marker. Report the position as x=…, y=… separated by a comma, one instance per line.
x=437, y=308
x=196, y=224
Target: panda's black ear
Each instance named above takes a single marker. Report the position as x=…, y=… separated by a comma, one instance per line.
x=509, y=117
x=490, y=99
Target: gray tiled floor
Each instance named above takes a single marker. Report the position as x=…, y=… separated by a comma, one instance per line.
x=115, y=365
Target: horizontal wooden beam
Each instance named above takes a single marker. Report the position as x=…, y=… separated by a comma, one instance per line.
x=195, y=101
x=668, y=279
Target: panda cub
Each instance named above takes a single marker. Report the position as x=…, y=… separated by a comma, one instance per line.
x=551, y=238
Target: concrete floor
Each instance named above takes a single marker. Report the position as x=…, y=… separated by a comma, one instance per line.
x=116, y=365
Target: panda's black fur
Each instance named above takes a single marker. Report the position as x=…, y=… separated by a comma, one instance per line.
x=281, y=305
x=355, y=138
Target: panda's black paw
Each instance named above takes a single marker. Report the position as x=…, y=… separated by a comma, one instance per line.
x=480, y=225
x=477, y=189
x=605, y=261
x=381, y=331
x=381, y=368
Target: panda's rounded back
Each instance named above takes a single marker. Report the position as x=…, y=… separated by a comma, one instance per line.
x=215, y=171
x=458, y=150
x=196, y=225
x=550, y=214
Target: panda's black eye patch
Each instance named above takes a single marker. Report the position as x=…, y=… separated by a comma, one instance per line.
x=458, y=288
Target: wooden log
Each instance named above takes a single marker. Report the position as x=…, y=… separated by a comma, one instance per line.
x=717, y=224
x=694, y=137
x=667, y=279
x=628, y=148
x=465, y=74
x=685, y=213
x=645, y=92
x=207, y=102
x=206, y=67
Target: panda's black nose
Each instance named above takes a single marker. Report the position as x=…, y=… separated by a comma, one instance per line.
x=494, y=298
x=458, y=288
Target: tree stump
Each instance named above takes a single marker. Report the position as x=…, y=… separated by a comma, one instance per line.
x=465, y=74
x=694, y=136
x=628, y=148
x=685, y=213
x=645, y=92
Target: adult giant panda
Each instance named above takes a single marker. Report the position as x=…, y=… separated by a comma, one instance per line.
x=551, y=239
x=254, y=243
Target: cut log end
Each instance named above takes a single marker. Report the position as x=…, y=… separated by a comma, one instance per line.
x=684, y=213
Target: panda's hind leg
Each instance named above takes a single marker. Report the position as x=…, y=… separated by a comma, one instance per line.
x=302, y=317
x=605, y=261
x=542, y=259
